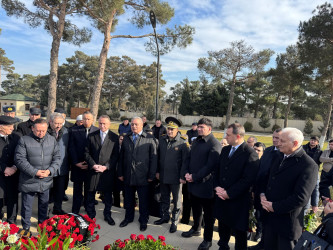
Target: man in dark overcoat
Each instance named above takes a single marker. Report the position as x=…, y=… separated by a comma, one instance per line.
x=8, y=171
x=79, y=166
x=137, y=168
x=233, y=178
x=291, y=181
x=60, y=133
x=203, y=158
x=102, y=151
x=24, y=128
x=173, y=153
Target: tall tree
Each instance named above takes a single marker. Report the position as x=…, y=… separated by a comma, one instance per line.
x=5, y=63
x=234, y=64
x=315, y=42
x=104, y=15
x=52, y=15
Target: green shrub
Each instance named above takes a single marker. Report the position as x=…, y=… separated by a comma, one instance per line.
x=275, y=127
x=248, y=126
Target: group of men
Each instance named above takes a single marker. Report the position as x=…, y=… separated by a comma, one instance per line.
x=218, y=181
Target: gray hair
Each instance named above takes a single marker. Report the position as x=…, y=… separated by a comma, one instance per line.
x=137, y=117
x=56, y=115
x=254, y=138
x=105, y=116
x=294, y=134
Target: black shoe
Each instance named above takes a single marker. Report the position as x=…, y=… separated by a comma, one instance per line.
x=173, y=228
x=257, y=237
x=259, y=246
x=143, y=227
x=191, y=233
x=65, y=198
x=58, y=212
x=109, y=220
x=96, y=202
x=161, y=221
x=205, y=245
x=124, y=223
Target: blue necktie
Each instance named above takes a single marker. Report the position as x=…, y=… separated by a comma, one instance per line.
x=232, y=151
x=134, y=138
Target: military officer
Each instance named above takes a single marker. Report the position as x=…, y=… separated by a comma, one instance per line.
x=10, y=110
x=173, y=156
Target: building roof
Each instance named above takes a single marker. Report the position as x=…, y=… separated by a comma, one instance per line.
x=17, y=97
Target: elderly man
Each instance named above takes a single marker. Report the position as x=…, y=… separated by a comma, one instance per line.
x=38, y=158
x=8, y=171
x=24, y=128
x=146, y=127
x=101, y=153
x=137, y=168
x=233, y=178
x=203, y=158
x=79, y=171
x=173, y=159
x=251, y=141
x=79, y=121
x=63, y=113
x=291, y=181
x=125, y=127
x=60, y=133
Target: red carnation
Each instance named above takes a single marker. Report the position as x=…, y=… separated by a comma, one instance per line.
x=140, y=237
x=121, y=245
x=163, y=243
x=49, y=228
x=162, y=238
x=80, y=237
x=149, y=237
x=107, y=247
x=133, y=236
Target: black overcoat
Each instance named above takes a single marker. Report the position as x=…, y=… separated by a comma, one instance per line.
x=105, y=154
x=7, y=150
x=289, y=187
x=204, y=157
x=236, y=175
x=76, y=147
x=138, y=163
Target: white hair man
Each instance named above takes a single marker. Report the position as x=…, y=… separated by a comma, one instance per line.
x=291, y=181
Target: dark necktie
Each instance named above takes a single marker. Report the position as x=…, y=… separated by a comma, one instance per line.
x=5, y=138
x=135, y=136
x=232, y=151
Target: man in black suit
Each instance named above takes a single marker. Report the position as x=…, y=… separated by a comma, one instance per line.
x=291, y=181
x=8, y=171
x=233, y=178
x=204, y=157
x=102, y=151
x=24, y=128
x=263, y=174
x=137, y=168
x=79, y=171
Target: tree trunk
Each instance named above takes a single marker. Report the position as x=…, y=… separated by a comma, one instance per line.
x=328, y=117
x=290, y=96
x=231, y=101
x=101, y=67
x=275, y=106
x=56, y=36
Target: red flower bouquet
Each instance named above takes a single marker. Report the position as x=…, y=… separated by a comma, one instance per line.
x=140, y=242
x=9, y=235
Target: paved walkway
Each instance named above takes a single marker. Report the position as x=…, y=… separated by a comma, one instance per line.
x=109, y=234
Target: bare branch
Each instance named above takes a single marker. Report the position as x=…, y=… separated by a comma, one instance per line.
x=91, y=13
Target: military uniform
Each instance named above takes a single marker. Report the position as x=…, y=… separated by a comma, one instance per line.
x=173, y=157
x=11, y=109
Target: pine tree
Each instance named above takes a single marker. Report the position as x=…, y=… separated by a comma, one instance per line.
x=264, y=121
x=308, y=128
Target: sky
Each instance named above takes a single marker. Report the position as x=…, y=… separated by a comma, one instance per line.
x=263, y=24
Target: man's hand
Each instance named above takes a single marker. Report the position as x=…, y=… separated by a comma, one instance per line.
x=181, y=181
x=157, y=176
x=101, y=169
x=95, y=167
x=40, y=173
x=121, y=178
x=150, y=180
x=9, y=171
x=188, y=177
x=82, y=165
x=315, y=209
x=267, y=205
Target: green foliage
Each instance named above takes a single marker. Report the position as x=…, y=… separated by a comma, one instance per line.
x=310, y=221
x=264, y=121
x=115, y=114
x=150, y=113
x=308, y=128
x=222, y=126
x=248, y=126
x=275, y=127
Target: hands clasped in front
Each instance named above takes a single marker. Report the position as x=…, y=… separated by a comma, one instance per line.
x=43, y=173
x=267, y=205
x=99, y=168
x=221, y=193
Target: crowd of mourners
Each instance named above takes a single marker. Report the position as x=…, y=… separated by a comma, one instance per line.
x=167, y=174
